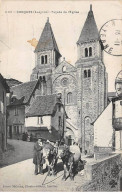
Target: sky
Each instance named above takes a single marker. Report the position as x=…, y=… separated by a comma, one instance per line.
x=17, y=58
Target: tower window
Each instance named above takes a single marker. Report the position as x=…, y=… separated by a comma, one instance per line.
x=86, y=52
x=42, y=59
x=89, y=73
x=46, y=59
x=90, y=51
x=85, y=73
x=69, y=98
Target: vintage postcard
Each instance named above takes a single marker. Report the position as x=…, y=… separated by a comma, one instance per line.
x=60, y=96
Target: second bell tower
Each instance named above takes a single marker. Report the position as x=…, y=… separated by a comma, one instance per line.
x=92, y=80
x=47, y=57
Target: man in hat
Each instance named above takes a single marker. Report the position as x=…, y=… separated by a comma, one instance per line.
x=38, y=155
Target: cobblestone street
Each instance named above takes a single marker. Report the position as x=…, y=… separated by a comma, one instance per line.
x=19, y=175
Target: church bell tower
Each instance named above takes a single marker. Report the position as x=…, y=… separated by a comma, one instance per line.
x=92, y=80
x=47, y=57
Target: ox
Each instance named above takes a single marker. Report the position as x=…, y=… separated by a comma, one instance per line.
x=50, y=158
x=70, y=158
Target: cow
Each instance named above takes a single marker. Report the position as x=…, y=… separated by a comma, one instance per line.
x=70, y=161
x=50, y=157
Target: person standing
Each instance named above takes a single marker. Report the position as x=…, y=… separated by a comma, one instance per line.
x=38, y=156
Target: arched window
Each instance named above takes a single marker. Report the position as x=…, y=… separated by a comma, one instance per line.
x=90, y=51
x=85, y=73
x=45, y=59
x=86, y=52
x=42, y=59
x=69, y=98
x=89, y=73
x=64, y=69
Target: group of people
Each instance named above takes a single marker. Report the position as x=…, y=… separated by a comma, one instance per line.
x=46, y=152
x=26, y=137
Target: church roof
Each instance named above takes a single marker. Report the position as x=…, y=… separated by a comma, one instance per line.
x=43, y=105
x=89, y=31
x=47, y=40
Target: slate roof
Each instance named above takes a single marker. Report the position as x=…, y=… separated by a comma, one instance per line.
x=43, y=105
x=47, y=40
x=23, y=91
x=12, y=82
x=44, y=133
x=89, y=31
x=4, y=83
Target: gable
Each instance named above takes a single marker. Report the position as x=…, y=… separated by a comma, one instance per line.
x=64, y=67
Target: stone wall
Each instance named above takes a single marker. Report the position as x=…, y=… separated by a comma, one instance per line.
x=65, y=84
x=104, y=175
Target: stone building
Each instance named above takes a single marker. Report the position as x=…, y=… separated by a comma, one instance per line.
x=82, y=87
x=92, y=79
x=22, y=96
x=45, y=118
x=3, y=113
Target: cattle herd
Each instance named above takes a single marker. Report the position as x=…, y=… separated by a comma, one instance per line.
x=50, y=156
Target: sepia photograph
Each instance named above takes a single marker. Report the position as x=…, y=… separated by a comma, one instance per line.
x=60, y=96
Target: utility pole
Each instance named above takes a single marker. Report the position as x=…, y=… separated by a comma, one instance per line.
x=64, y=116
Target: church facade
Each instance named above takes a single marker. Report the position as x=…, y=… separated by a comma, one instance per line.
x=82, y=87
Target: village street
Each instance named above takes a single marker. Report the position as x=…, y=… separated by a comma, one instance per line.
x=17, y=150
x=20, y=176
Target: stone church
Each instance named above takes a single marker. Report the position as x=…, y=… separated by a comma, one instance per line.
x=81, y=86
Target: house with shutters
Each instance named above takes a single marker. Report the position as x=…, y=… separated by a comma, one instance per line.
x=4, y=89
